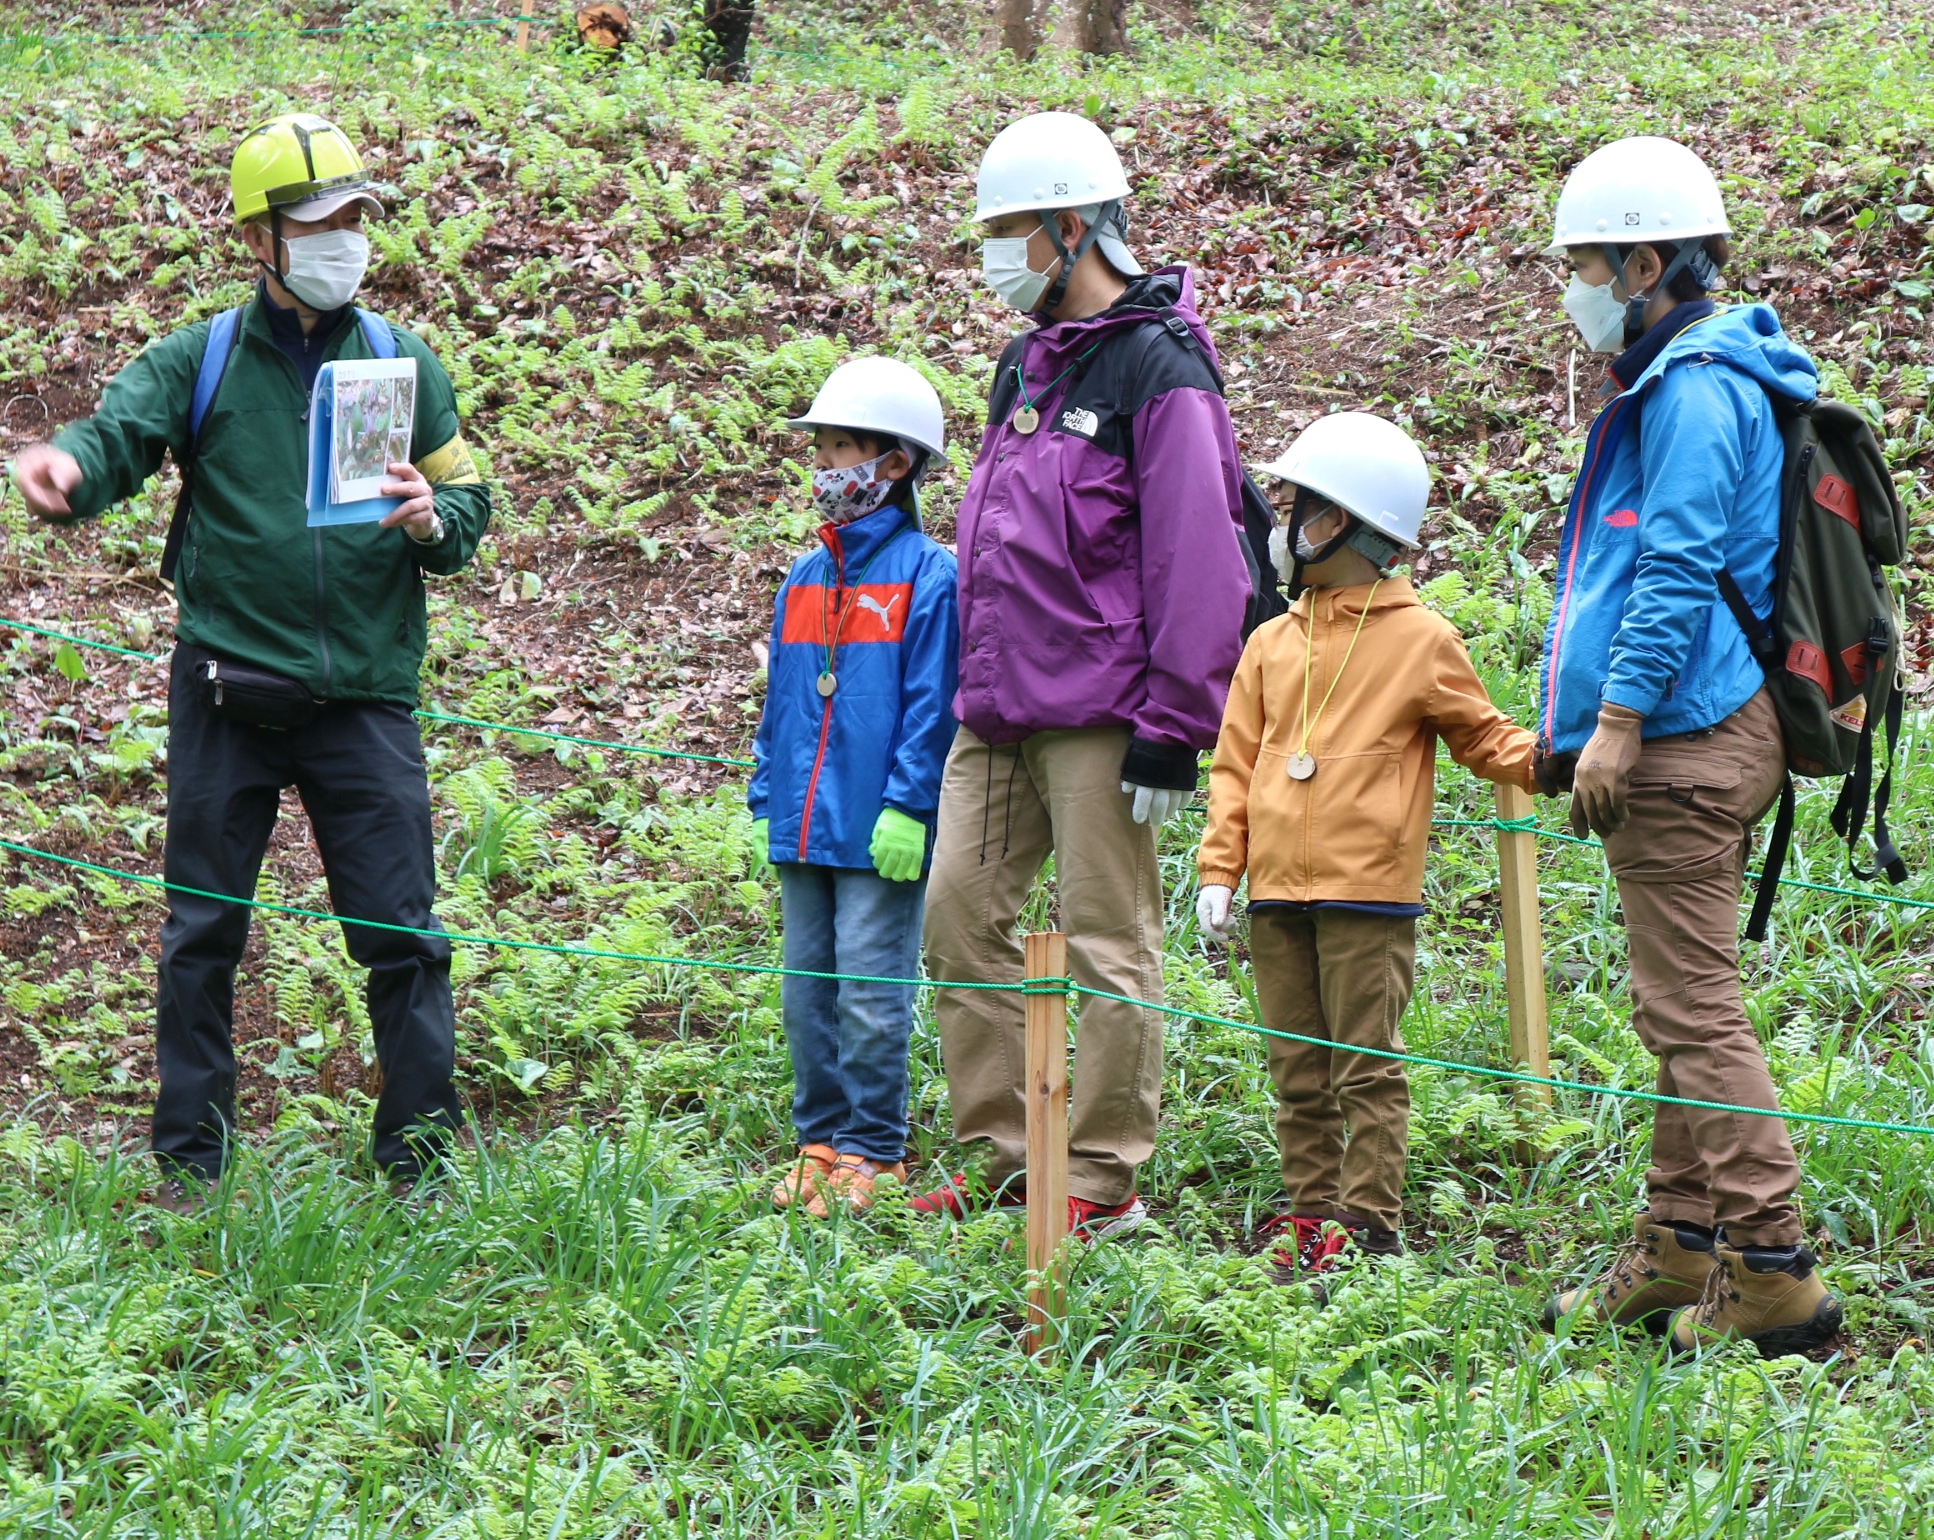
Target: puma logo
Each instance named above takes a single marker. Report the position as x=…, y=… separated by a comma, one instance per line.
x=884, y=611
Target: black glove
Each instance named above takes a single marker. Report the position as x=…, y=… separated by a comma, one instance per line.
x=1553, y=772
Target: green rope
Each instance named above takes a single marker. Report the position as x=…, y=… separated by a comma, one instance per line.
x=1518, y=1076
x=1530, y=826
x=1507, y=825
x=79, y=641
x=267, y=34
x=470, y=938
x=430, y=716
x=595, y=743
x=1038, y=986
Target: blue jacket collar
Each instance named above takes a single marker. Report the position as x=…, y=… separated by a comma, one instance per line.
x=1745, y=337
x=1630, y=365
x=853, y=545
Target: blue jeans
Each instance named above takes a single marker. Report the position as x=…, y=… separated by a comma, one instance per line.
x=849, y=1041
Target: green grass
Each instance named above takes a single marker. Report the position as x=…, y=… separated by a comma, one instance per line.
x=602, y=1329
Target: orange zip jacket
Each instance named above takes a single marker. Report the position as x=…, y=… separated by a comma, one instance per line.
x=1358, y=828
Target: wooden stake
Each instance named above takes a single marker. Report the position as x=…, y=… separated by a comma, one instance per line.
x=1047, y=1136
x=1524, y=950
x=524, y=26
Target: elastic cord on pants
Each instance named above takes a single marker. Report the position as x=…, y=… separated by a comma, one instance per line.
x=1007, y=818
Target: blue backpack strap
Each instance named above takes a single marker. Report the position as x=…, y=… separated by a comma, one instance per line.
x=376, y=332
x=222, y=332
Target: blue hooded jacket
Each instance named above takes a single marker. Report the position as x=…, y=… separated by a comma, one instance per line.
x=1681, y=477
x=824, y=766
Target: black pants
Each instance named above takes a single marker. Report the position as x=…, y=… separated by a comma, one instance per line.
x=359, y=769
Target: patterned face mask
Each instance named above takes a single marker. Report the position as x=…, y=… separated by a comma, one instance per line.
x=842, y=496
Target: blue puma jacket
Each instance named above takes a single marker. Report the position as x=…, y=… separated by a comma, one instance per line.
x=883, y=596
x=1681, y=477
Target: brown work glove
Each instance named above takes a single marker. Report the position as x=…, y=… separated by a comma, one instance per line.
x=1605, y=767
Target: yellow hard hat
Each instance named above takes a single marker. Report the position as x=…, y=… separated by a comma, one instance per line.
x=298, y=164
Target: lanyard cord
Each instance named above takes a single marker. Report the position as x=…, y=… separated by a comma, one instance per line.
x=853, y=594
x=1027, y=401
x=1309, y=651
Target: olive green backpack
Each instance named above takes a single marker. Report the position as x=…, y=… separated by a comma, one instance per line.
x=1831, y=652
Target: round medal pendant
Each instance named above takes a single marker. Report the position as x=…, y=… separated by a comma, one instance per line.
x=1026, y=419
x=1302, y=766
x=828, y=684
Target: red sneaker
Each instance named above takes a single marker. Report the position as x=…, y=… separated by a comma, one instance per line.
x=1098, y=1221
x=1314, y=1243
x=960, y=1195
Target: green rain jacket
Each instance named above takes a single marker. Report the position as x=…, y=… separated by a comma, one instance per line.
x=342, y=608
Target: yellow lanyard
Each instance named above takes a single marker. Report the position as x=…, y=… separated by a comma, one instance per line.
x=1309, y=652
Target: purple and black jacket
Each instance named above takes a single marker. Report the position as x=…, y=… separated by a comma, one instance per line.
x=1101, y=579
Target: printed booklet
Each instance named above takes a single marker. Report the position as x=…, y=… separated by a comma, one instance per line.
x=359, y=422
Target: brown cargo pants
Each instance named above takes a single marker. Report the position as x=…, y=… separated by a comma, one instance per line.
x=1680, y=862
x=1002, y=811
x=1344, y=976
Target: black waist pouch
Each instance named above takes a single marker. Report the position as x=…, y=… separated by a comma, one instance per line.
x=241, y=692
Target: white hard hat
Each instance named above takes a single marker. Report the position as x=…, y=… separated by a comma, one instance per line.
x=1642, y=189
x=1365, y=464
x=1052, y=160
x=880, y=395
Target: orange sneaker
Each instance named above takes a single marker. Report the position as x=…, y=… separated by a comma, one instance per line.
x=851, y=1182
x=812, y=1165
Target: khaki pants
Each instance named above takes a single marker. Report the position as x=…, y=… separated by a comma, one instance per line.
x=1344, y=976
x=1680, y=863
x=1002, y=810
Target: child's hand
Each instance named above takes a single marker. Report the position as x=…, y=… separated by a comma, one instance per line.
x=899, y=847
x=1212, y=907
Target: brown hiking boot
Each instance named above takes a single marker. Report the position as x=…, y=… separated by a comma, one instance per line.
x=851, y=1182
x=1774, y=1298
x=802, y=1177
x=1661, y=1269
x=183, y=1195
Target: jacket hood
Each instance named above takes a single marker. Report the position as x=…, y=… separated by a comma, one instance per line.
x=1392, y=593
x=1750, y=338
x=1056, y=346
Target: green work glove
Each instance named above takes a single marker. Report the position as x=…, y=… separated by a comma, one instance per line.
x=899, y=846
x=761, y=844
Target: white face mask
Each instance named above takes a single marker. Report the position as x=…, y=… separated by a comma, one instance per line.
x=1306, y=550
x=1279, y=551
x=1598, y=315
x=326, y=270
x=1003, y=263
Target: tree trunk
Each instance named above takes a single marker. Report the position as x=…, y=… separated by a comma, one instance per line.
x=1093, y=26
x=730, y=23
x=1020, y=23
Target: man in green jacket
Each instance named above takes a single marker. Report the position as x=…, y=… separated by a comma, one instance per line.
x=298, y=649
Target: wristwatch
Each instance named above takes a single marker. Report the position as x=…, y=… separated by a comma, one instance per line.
x=435, y=537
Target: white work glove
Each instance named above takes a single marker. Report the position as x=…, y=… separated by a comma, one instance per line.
x=1155, y=804
x=1212, y=906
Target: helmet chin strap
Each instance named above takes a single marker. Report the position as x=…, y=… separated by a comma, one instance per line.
x=1298, y=511
x=1635, y=327
x=1058, y=291
x=1375, y=546
x=273, y=267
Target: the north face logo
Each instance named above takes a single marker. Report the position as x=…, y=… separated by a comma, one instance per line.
x=1080, y=420
x=1624, y=518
